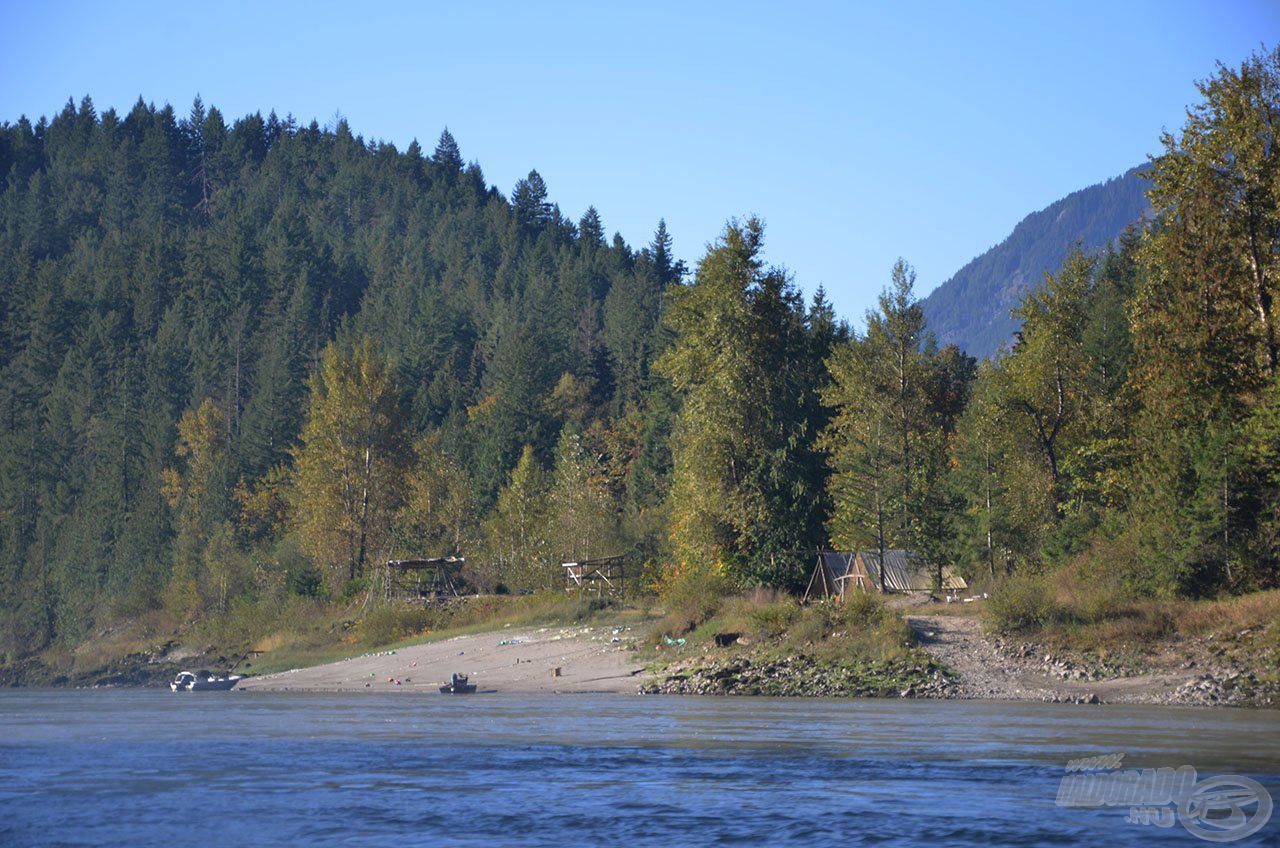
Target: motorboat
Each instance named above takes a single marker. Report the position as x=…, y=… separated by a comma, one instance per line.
x=204, y=681
x=458, y=685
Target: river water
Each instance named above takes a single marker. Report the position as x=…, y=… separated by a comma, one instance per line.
x=130, y=768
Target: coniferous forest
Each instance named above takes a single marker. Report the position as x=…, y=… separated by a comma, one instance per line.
x=246, y=361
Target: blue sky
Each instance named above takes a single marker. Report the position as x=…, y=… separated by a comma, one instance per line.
x=858, y=132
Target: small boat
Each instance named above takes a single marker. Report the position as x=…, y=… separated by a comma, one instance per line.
x=458, y=685
x=204, y=681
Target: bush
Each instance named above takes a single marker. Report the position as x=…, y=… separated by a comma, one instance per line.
x=692, y=598
x=861, y=609
x=352, y=589
x=306, y=581
x=1020, y=604
x=772, y=619
x=389, y=623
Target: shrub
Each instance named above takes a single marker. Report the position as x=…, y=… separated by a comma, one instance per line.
x=387, y=623
x=861, y=609
x=306, y=581
x=352, y=589
x=1021, y=603
x=772, y=619
x=693, y=597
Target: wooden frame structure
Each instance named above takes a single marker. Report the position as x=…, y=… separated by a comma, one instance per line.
x=605, y=576
x=424, y=579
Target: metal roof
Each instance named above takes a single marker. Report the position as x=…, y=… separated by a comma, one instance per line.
x=903, y=572
x=906, y=571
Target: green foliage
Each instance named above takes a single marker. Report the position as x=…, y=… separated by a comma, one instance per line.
x=1205, y=336
x=583, y=512
x=517, y=540
x=894, y=400
x=438, y=516
x=691, y=597
x=1020, y=604
x=773, y=619
x=350, y=463
x=219, y=339
x=747, y=481
x=389, y=623
x=862, y=609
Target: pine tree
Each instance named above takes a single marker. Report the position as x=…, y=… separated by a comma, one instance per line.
x=887, y=440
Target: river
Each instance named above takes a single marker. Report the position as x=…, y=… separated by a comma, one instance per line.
x=143, y=767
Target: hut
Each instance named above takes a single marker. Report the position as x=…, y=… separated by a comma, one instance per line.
x=906, y=571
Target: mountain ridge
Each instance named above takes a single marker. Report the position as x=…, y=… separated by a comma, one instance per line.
x=973, y=308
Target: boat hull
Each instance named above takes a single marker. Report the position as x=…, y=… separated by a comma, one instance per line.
x=188, y=682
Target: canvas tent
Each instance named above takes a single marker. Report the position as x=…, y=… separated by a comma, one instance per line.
x=831, y=574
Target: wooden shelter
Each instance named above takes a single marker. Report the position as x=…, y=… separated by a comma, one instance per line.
x=838, y=572
x=424, y=579
x=606, y=576
x=831, y=575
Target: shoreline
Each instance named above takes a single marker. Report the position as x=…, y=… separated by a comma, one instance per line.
x=513, y=659
x=954, y=660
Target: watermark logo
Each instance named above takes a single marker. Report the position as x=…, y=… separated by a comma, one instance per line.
x=1217, y=809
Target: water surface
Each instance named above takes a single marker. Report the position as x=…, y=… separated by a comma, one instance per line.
x=128, y=768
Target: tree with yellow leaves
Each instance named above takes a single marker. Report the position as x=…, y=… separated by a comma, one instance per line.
x=350, y=464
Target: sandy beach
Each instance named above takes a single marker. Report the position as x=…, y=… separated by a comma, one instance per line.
x=589, y=659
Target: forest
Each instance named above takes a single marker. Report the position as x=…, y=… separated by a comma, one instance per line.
x=245, y=362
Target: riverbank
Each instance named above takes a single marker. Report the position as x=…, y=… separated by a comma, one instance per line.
x=762, y=646
x=512, y=659
x=951, y=655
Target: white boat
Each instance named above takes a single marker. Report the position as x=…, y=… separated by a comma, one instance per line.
x=204, y=681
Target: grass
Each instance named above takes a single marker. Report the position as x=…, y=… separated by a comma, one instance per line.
x=299, y=632
x=774, y=625
x=1067, y=612
x=395, y=626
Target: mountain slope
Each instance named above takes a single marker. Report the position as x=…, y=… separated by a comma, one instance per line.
x=972, y=309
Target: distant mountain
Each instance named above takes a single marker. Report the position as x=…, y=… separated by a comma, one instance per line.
x=972, y=309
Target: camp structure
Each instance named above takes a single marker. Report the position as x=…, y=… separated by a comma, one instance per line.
x=830, y=575
x=837, y=573
x=424, y=579
x=605, y=576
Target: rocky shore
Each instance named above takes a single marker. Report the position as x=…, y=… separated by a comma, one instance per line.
x=957, y=660
x=803, y=676
x=1201, y=672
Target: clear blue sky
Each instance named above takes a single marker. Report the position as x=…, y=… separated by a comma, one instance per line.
x=858, y=132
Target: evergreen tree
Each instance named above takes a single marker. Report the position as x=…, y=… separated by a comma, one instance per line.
x=1205, y=340
x=893, y=401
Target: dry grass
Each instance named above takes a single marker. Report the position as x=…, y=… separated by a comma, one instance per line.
x=394, y=626
x=774, y=624
x=1092, y=613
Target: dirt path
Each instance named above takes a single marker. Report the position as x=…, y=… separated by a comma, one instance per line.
x=589, y=659
x=989, y=672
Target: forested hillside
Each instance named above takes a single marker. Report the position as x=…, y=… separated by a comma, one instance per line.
x=177, y=291
x=244, y=364
x=974, y=309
